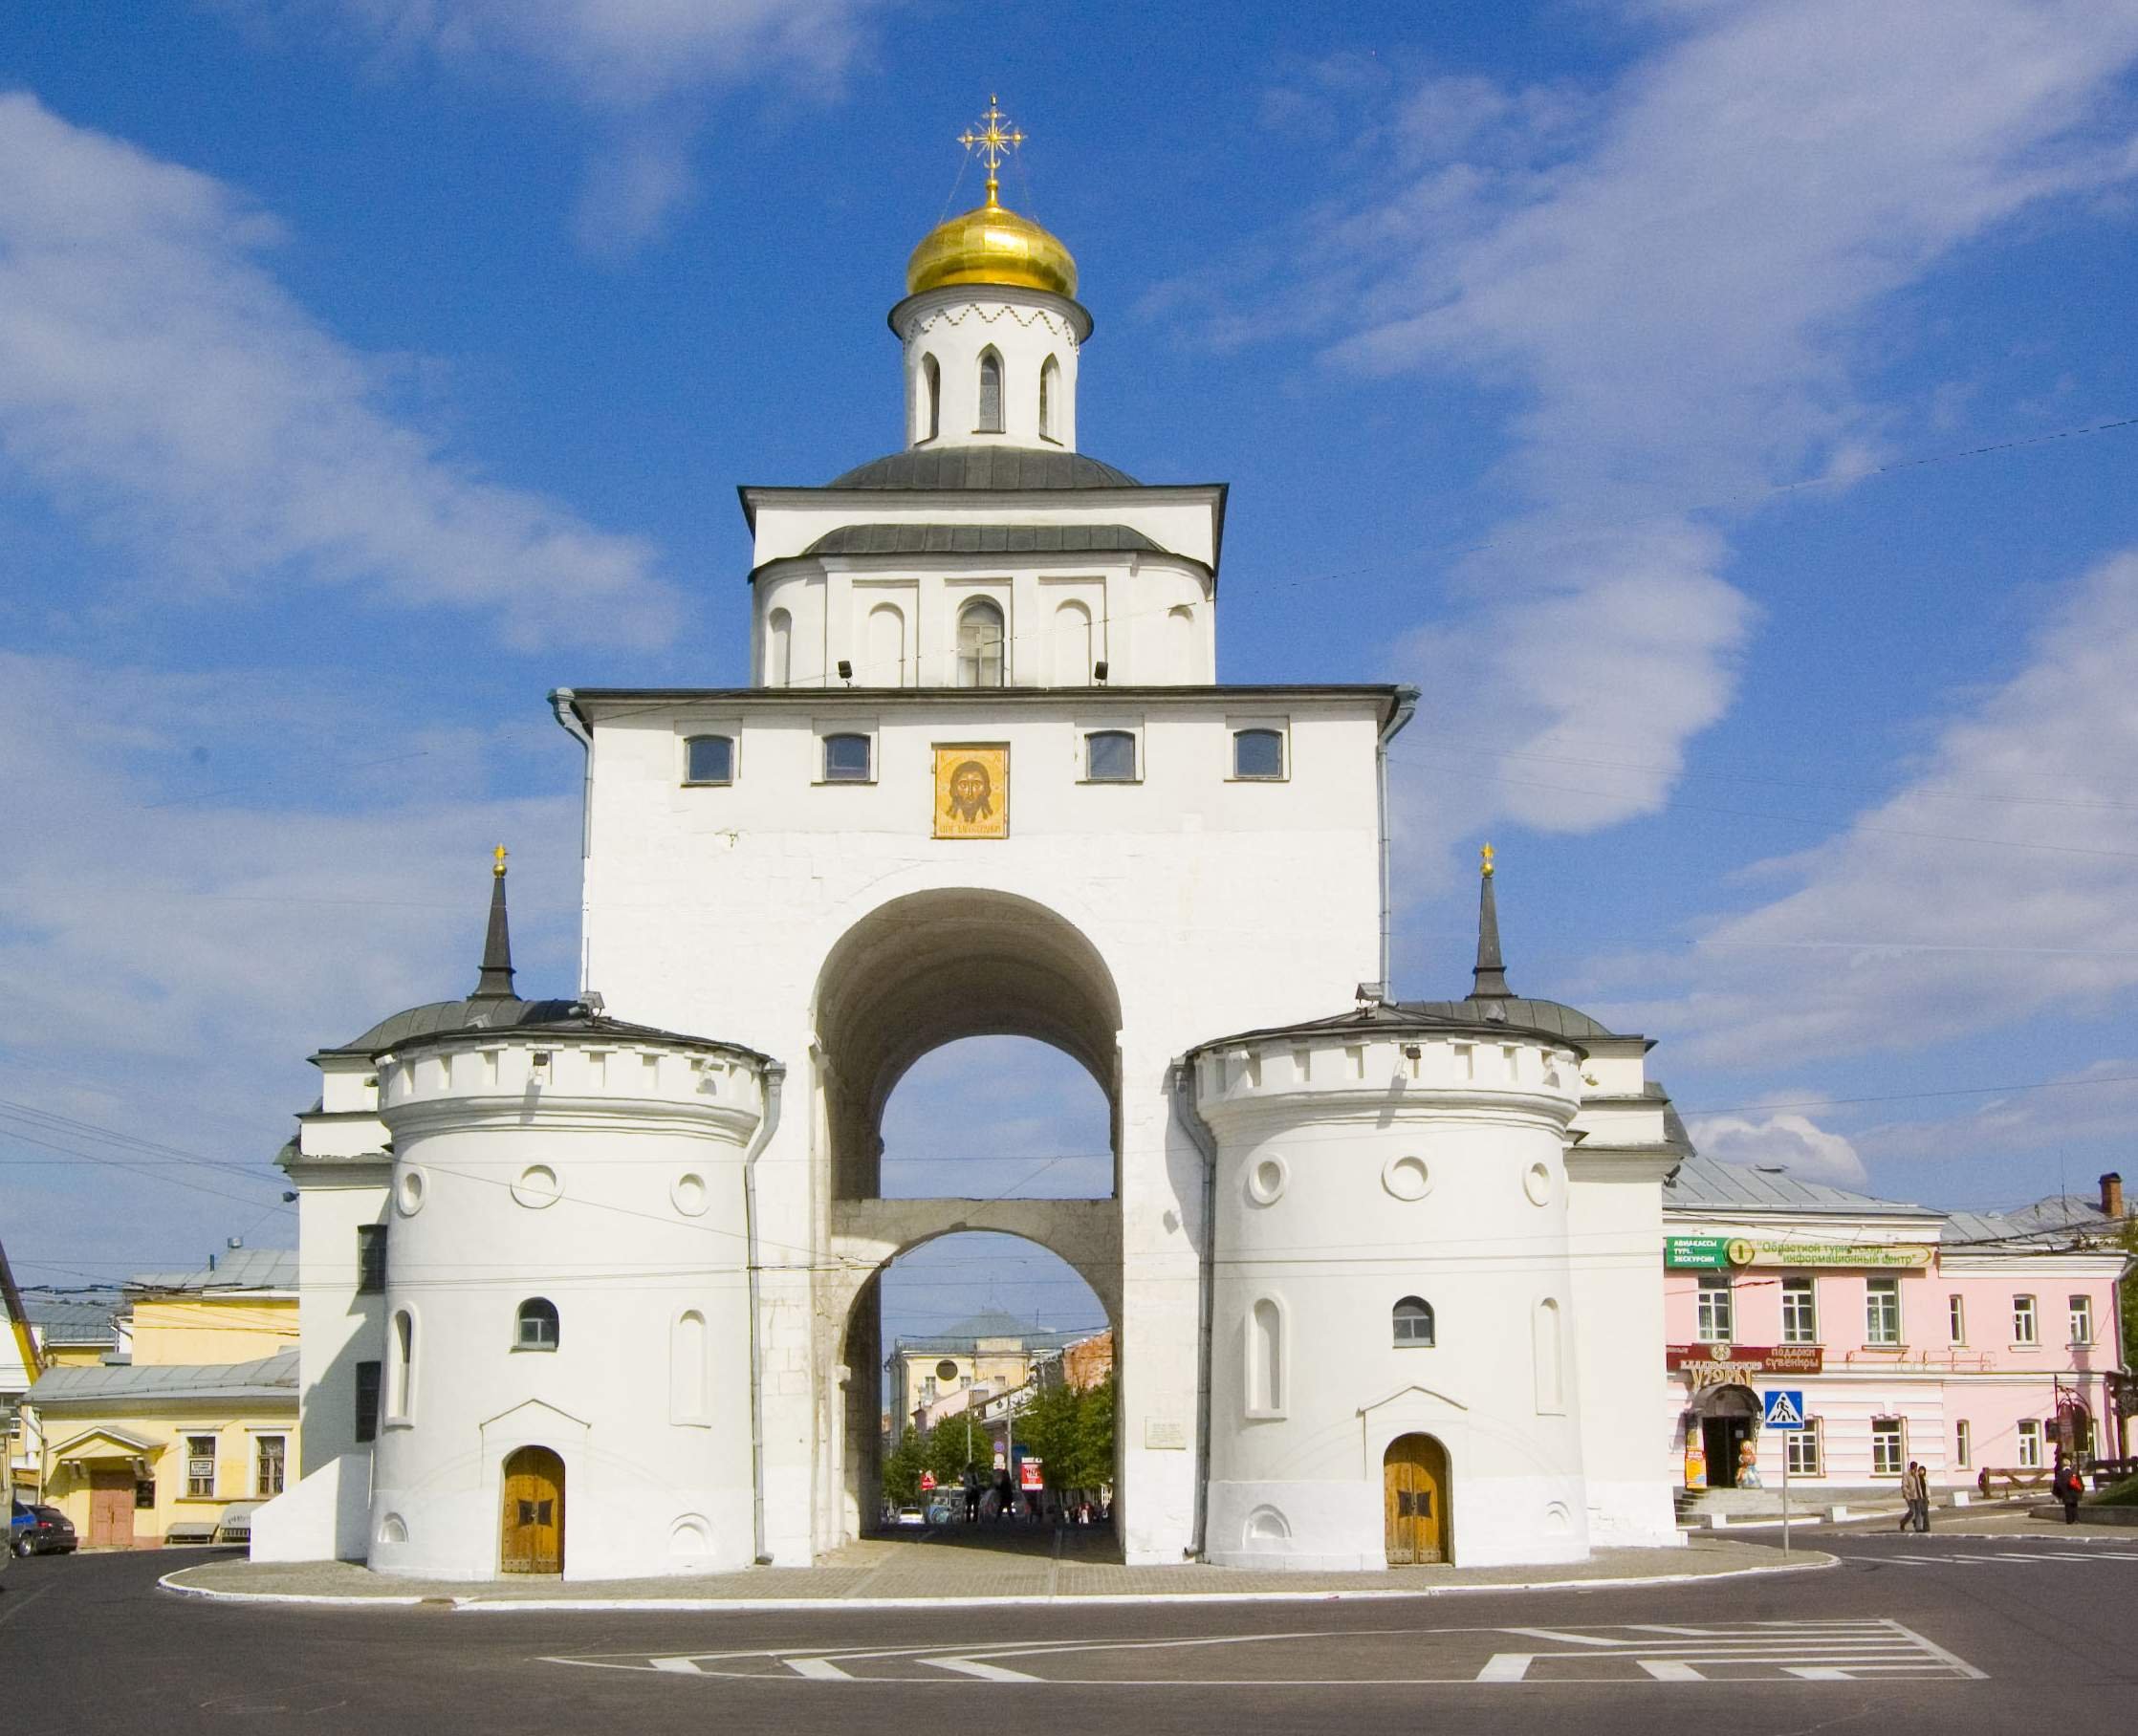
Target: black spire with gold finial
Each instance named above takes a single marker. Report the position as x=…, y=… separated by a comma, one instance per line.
x=495, y=983
x=1491, y=975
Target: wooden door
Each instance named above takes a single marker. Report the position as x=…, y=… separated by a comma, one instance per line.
x=533, y=1532
x=111, y=1510
x=1414, y=1487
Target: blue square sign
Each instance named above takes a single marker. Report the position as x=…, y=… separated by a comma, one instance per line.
x=1785, y=1410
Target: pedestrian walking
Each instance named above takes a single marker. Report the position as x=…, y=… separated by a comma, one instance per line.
x=971, y=1494
x=2067, y=1486
x=1005, y=1496
x=1915, y=1490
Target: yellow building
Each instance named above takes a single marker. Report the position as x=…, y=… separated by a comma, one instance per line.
x=988, y=1355
x=180, y=1441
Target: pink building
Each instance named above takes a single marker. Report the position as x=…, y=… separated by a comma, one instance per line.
x=1968, y=1341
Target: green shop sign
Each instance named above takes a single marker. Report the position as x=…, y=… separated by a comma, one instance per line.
x=1714, y=1253
x=1684, y=1253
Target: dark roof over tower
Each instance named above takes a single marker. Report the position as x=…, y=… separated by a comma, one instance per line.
x=989, y=467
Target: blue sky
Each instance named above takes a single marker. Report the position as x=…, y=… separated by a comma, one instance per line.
x=1713, y=407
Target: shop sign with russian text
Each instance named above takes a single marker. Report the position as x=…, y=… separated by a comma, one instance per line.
x=1710, y=1253
x=1741, y=1364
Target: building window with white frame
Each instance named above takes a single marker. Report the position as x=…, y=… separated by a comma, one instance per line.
x=2026, y=1327
x=1799, y=1310
x=1889, y=1447
x=2082, y=1320
x=1258, y=754
x=708, y=759
x=847, y=759
x=200, y=1467
x=1955, y=1317
x=1712, y=1315
x=1963, y=1444
x=538, y=1326
x=1110, y=756
x=1800, y=1448
x=1881, y=1311
x=1412, y=1321
x=270, y=1456
x=980, y=659
x=2030, y=1444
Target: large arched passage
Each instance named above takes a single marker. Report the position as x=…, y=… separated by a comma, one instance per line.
x=948, y=1323
x=935, y=967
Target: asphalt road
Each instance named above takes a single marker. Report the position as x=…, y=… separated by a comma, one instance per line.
x=1944, y=1633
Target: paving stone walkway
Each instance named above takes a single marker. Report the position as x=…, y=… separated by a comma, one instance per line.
x=947, y=1566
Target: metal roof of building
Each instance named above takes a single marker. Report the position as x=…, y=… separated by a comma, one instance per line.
x=273, y=1376
x=1709, y=1184
x=240, y=1268
x=985, y=539
x=993, y=1323
x=1001, y=468
x=72, y=1319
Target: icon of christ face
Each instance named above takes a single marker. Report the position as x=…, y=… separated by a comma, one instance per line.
x=971, y=793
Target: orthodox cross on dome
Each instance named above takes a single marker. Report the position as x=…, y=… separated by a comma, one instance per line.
x=1484, y=856
x=500, y=853
x=993, y=143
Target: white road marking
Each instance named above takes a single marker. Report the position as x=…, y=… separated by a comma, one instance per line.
x=986, y=1672
x=1670, y=1670
x=681, y=1667
x=817, y=1669
x=1506, y=1667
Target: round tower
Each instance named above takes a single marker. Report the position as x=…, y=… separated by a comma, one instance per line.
x=1392, y=1341
x=991, y=324
x=565, y=1384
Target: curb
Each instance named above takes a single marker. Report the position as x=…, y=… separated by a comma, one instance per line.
x=494, y=1606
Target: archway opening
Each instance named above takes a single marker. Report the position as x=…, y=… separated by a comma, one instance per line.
x=987, y=1422
x=996, y=1118
x=937, y=969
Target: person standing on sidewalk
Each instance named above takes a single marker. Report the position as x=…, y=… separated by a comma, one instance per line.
x=2067, y=1486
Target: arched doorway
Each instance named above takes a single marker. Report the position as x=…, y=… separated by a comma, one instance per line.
x=1414, y=1489
x=531, y=1538
x=1726, y=1417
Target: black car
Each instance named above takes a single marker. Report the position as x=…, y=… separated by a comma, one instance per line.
x=40, y=1530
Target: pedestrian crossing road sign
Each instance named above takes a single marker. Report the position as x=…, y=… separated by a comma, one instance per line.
x=1785, y=1410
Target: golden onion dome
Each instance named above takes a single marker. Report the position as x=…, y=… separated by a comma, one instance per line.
x=992, y=244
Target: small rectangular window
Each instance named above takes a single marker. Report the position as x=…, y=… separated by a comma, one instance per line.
x=2030, y=1444
x=1715, y=1310
x=1258, y=754
x=367, y=1400
x=847, y=759
x=708, y=759
x=271, y=1456
x=2082, y=1319
x=1799, y=1311
x=1955, y=1317
x=1886, y=1449
x=1881, y=1311
x=144, y=1494
x=371, y=1258
x=1963, y=1444
x=200, y=1465
x=1110, y=757
x=2025, y=1329
x=1802, y=1449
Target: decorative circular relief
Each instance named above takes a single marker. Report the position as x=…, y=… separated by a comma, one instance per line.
x=538, y=1186
x=1407, y=1178
x=1537, y=1183
x=945, y=1370
x=689, y=1194
x=1265, y=1182
x=408, y=1192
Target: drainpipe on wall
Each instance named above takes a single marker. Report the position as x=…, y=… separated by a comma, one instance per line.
x=1198, y=1130
x=1407, y=709
x=776, y=1077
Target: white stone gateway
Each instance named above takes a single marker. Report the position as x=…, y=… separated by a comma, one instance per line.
x=591, y=1285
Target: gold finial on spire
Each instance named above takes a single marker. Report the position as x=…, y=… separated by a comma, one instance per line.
x=1485, y=858
x=993, y=145
x=499, y=854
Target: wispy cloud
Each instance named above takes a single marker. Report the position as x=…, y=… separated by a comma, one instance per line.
x=2000, y=881
x=160, y=385
x=641, y=68
x=178, y=934
x=1678, y=280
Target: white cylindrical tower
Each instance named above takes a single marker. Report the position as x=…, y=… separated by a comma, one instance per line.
x=566, y=1377
x=1392, y=1367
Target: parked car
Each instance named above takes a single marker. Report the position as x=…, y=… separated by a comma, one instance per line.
x=40, y=1530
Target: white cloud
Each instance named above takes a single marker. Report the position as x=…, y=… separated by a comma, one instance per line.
x=156, y=381
x=2001, y=881
x=174, y=946
x=1789, y=1141
x=1678, y=279
x=641, y=67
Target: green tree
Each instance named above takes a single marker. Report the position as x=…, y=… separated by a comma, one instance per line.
x=1071, y=1430
x=956, y=1441
x=901, y=1470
